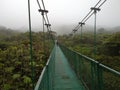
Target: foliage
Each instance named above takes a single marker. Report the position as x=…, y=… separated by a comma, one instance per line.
x=16, y=76
x=15, y=60
x=108, y=46
x=108, y=53
x=26, y=79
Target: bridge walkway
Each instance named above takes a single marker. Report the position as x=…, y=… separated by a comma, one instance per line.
x=65, y=78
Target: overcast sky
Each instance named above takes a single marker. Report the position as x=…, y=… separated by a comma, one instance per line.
x=14, y=13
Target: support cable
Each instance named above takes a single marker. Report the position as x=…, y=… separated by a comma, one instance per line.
x=90, y=13
x=43, y=32
x=95, y=47
x=45, y=9
x=102, y=3
x=48, y=27
x=45, y=19
x=81, y=25
x=38, y=4
x=30, y=37
x=88, y=17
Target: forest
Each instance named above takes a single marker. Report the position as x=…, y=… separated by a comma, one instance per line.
x=108, y=53
x=107, y=44
x=15, y=65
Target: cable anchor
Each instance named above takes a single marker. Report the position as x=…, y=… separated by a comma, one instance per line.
x=48, y=25
x=74, y=30
x=95, y=9
x=81, y=24
x=43, y=11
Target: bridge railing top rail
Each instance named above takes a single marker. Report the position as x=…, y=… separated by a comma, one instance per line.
x=92, y=73
x=96, y=62
x=47, y=73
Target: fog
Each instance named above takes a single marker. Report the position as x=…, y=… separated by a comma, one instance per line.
x=62, y=13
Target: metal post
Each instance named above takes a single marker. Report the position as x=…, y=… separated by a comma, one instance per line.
x=81, y=62
x=95, y=36
x=99, y=76
x=95, y=47
x=81, y=24
x=48, y=77
x=30, y=36
x=92, y=65
x=92, y=76
x=48, y=25
x=42, y=13
x=43, y=33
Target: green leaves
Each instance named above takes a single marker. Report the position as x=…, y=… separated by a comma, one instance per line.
x=9, y=69
x=112, y=45
x=6, y=87
x=108, y=46
x=26, y=79
x=15, y=71
x=16, y=76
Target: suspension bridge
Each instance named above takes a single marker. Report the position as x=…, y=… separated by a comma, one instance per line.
x=69, y=70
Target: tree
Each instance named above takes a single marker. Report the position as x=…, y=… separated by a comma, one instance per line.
x=112, y=45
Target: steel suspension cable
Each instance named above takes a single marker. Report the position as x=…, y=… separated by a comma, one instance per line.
x=43, y=32
x=95, y=47
x=88, y=17
x=89, y=13
x=97, y=3
x=41, y=9
x=46, y=21
x=38, y=4
x=92, y=11
x=81, y=38
x=102, y=3
x=81, y=25
x=30, y=37
x=45, y=13
x=48, y=27
x=95, y=11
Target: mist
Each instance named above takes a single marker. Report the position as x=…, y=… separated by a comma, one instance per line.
x=64, y=15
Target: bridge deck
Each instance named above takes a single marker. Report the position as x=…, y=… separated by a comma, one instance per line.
x=65, y=78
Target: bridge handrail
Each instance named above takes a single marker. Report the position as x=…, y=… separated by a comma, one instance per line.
x=45, y=79
x=110, y=69
x=101, y=65
x=40, y=79
x=94, y=75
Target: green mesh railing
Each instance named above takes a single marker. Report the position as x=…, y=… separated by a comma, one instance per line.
x=95, y=76
x=45, y=81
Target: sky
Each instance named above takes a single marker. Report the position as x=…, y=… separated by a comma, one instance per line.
x=14, y=13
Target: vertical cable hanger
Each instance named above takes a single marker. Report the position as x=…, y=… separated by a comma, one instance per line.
x=30, y=37
x=46, y=19
x=87, y=16
x=45, y=13
x=81, y=24
x=43, y=19
x=47, y=25
x=90, y=13
x=95, y=45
